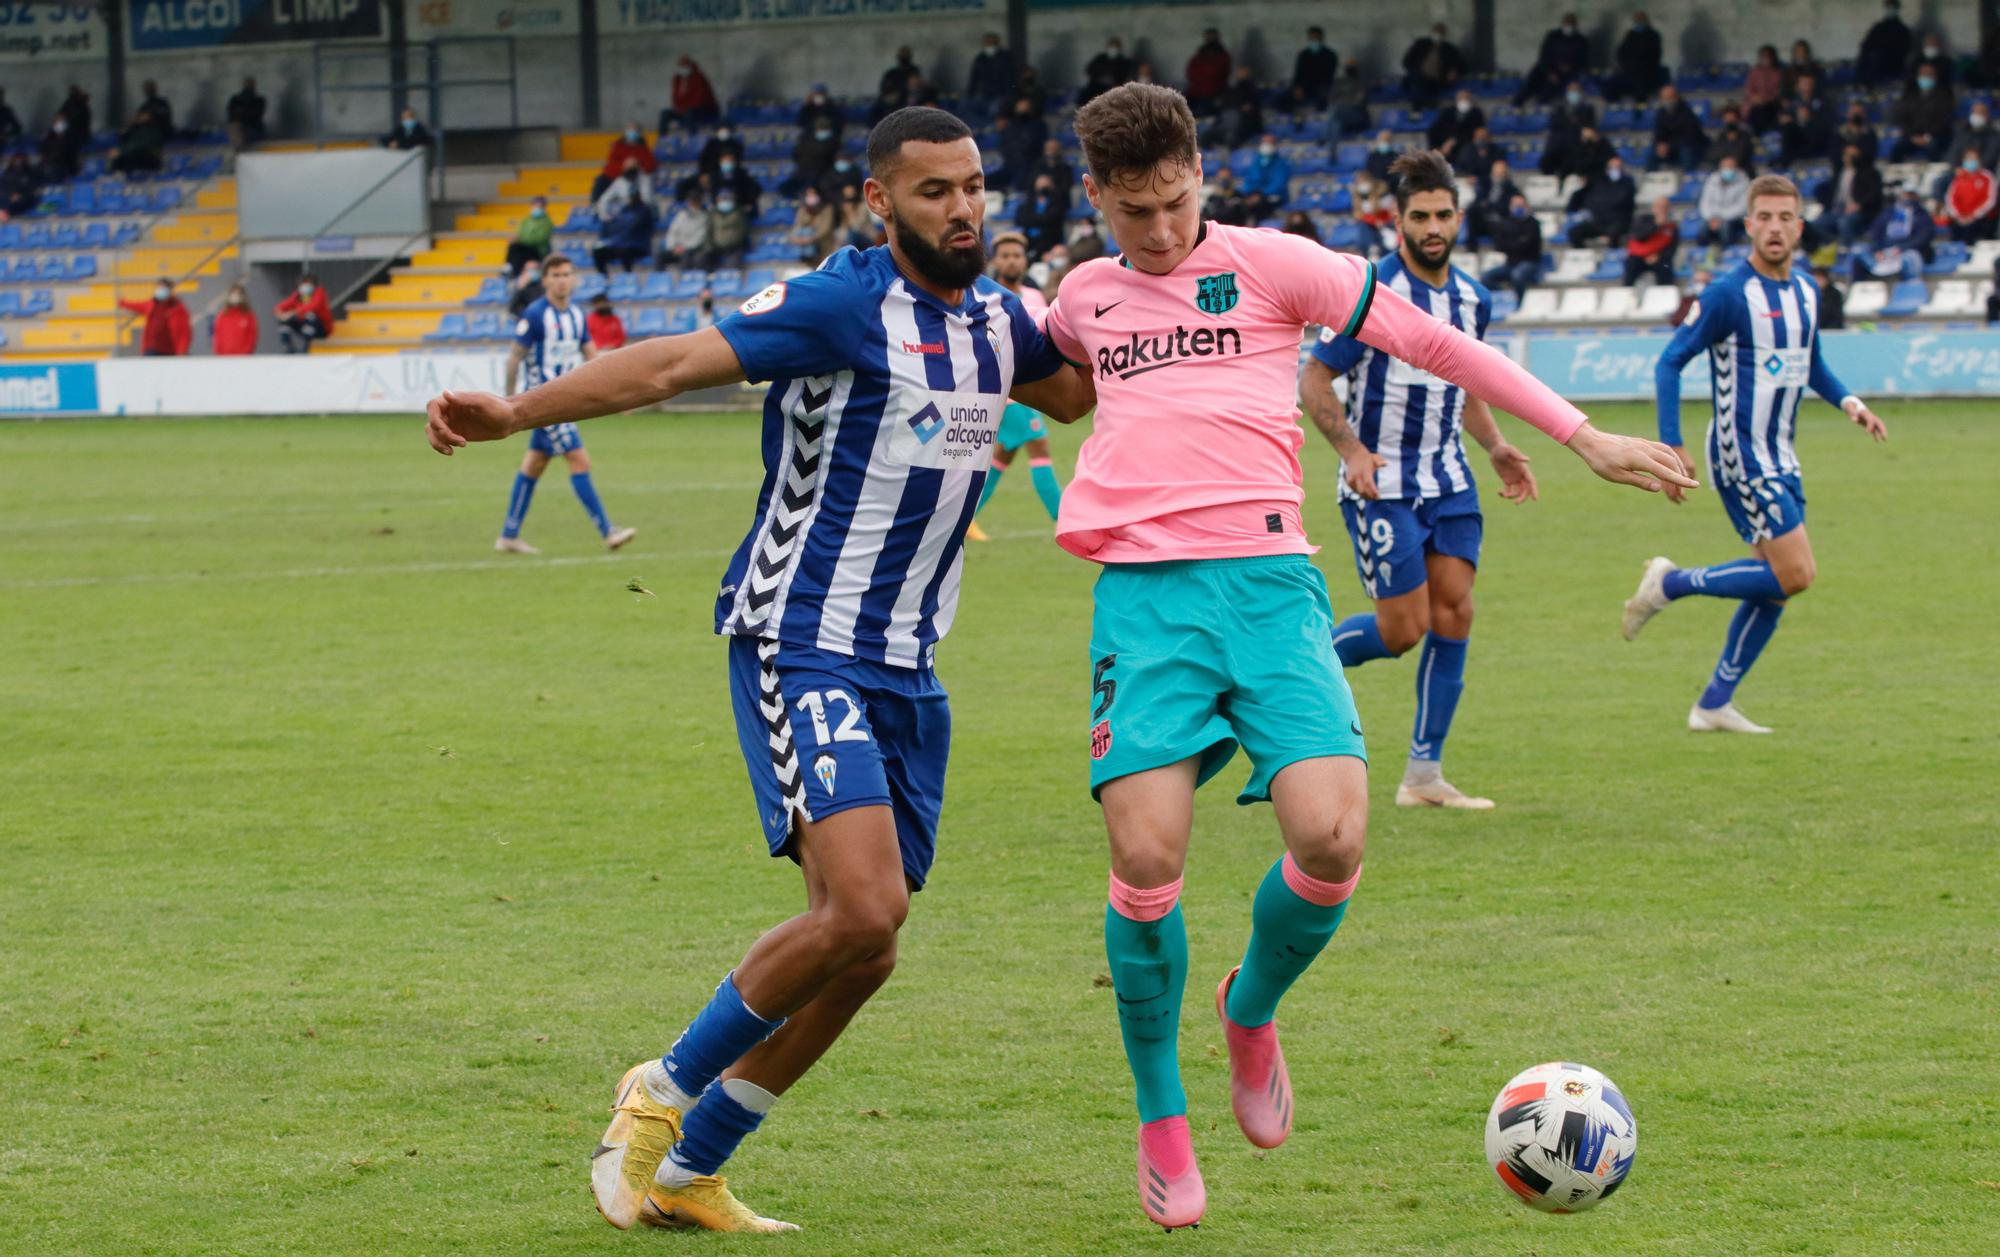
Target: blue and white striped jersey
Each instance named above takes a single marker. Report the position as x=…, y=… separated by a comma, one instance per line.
x=1410, y=417
x=553, y=338
x=878, y=430
x=1762, y=339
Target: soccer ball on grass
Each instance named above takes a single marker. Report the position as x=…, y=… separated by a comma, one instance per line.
x=1561, y=1137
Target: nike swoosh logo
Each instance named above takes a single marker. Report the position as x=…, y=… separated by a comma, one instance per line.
x=1104, y=310
x=1356, y=727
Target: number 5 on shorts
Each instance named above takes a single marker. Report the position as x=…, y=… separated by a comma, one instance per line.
x=1100, y=684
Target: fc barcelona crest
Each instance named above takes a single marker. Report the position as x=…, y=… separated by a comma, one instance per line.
x=1216, y=294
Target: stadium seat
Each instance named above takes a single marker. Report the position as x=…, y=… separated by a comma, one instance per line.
x=659, y=286
x=10, y=303
x=1980, y=264
x=1658, y=303
x=82, y=266
x=723, y=284
x=1579, y=305
x=688, y=284
x=1542, y=191
x=1617, y=305
x=624, y=286
x=1947, y=258
x=758, y=279
x=1953, y=299
x=1610, y=268
x=40, y=301
x=1539, y=306
x=682, y=321
x=450, y=327
x=1866, y=299
x=1573, y=266
x=1906, y=299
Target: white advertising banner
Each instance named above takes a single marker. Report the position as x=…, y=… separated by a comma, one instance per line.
x=284, y=384
x=430, y=19
x=656, y=15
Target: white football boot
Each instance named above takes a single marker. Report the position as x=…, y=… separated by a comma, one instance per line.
x=618, y=537
x=1723, y=719
x=1651, y=598
x=514, y=545
x=1439, y=793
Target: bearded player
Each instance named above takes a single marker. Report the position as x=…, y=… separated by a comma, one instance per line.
x=888, y=369
x=1211, y=626
x=1406, y=490
x=1759, y=325
x=1020, y=426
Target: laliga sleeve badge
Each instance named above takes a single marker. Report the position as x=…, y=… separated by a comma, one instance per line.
x=1100, y=739
x=766, y=301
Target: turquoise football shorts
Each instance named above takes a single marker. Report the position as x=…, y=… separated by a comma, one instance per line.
x=1019, y=425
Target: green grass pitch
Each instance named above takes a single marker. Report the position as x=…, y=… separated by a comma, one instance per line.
x=345, y=864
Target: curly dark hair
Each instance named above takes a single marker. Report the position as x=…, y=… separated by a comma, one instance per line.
x=1129, y=131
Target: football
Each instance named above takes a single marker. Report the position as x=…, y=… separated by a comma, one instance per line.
x=1561, y=1137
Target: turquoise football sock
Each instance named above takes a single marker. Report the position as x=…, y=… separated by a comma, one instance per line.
x=1149, y=962
x=1046, y=485
x=1291, y=921
x=993, y=475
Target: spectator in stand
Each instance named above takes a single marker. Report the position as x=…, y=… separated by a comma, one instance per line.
x=1478, y=156
x=894, y=88
x=1932, y=53
x=62, y=150
x=76, y=107
x=1058, y=169
x=812, y=158
x=1144, y=74
x=1925, y=113
x=1313, y=71
x=1381, y=156
x=721, y=146
x=1858, y=132
x=1432, y=66
x=1650, y=250
x=1885, y=49
x=626, y=220
x=1518, y=236
x=1566, y=124
x=527, y=290
x=1374, y=208
x=844, y=175
x=1267, y=181
x=1086, y=243
x=1678, y=138
x=140, y=144
x=691, y=99
x=687, y=235
x=1222, y=200
x=1803, y=65
x=168, y=331
x=1347, y=103
x=1805, y=124
x=1030, y=89
x=1900, y=241
x=304, y=316
x=1495, y=193
x=731, y=176
x=1455, y=125
x=1763, y=91
x=153, y=103
x=630, y=185
x=992, y=77
x=923, y=91
x=1108, y=69
x=1242, y=110
x=1978, y=133
x=607, y=330
x=408, y=133
x=1969, y=206
x=1986, y=73
x=1208, y=74
x=244, y=115
x=819, y=110
x=1604, y=205
x=1733, y=140
x=1591, y=155
x=857, y=223
x=1300, y=223
x=1564, y=58
x=532, y=238
x=1638, y=69
x=728, y=237
x=1041, y=217
x=1021, y=142
x=814, y=229
x=233, y=331
x=630, y=146
x=19, y=191
x=1725, y=199
x=10, y=122
x=1832, y=302
x=1852, y=198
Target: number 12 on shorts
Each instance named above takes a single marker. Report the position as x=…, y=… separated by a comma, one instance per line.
x=814, y=704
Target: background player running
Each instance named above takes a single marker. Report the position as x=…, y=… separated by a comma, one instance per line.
x=1211, y=627
x=1406, y=492
x=1020, y=425
x=888, y=369
x=552, y=337
x=1759, y=325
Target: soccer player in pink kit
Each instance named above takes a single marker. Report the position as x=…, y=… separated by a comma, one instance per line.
x=1211, y=626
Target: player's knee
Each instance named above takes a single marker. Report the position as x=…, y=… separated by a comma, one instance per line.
x=1453, y=619
x=1796, y=578
x=865, y=976
x=856, y=932
x=1403, y=632
x=1333, y=854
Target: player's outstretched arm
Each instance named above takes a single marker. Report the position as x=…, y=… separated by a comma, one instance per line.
x=1358, y=464
x=637, y=375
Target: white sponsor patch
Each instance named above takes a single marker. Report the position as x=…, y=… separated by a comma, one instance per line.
x=766, y=301
x=1787, y=368
x=943, y=430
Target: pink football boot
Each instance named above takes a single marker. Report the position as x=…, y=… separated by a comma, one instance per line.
x=1170, y=1187
x=1260, y=1091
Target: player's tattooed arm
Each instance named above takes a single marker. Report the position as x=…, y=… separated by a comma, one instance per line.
x=1358, y=464
x=510, y=379
x=1517, y=483
x=1065, y=397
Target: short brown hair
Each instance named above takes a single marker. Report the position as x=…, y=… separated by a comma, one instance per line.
x=1009, y=237
x=554, y=260
x=1422, y=170
x=1773, y=185
x=1129, y=131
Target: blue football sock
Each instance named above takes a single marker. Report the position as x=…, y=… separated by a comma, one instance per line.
x=726, y=1114
x=1740, y=578
x=517, y=504
x=1047, y=486
x=586, y=493
x=720, y=1033
x=1440, y=680
x=993, y=475
x=1357, y=639
x=1752, y=625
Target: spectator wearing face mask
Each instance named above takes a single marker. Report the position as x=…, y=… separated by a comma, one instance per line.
x=691, y=99
x=630, y=185
x=408, y=133
x=1852, y=197
x=1970, y=203
x=1455, y=125
x=1885, y=49
x=814, y=228
x=729, y=175
x=304, y=316
x=1381, y=156
x=1300, y=223
x=844, y=175
x=1900, y=241
x=1639, y=69
x=1978, y=133
x=1313, y=72
x=858, y=229
x=722, y=145
x=992, y=76
x=1931, y=52
x=607, y=330
x=626, y=219
x=1678, y=138
x=1208, y=73
x=819, y=110
x=1734, y=141
x=1222, y=200
x=1857, y=132
x=894, y=88
x=1267, y=180
x=1518, y=236
x=812, y=159
x=629, y=147
x=1432, y=66
x=1041, y=217
x=1496, y=191
x=1564, y=58
x=1108, y=69
x=61, y=151
x=686, y=235
x=1477, y=156
x=1373, y=204
x=1763, y=88
x=1650, y=250
x=728, y=237
x=1925, y=113
x=531, y=239
x=1725, y=199
x=233, y=331
x=1566, y=124
x=1603, y=205
x=168, y=331
x=1803, y=65
x=1057, y=167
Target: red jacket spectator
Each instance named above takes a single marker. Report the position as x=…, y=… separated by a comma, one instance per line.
x=606, y=331
x=624, y=149
x=1970, y=203
x=317, y=306
x=235, y=331
x=1208, y=68
x=1647, y=248
x=168, y=331
x=691, y=91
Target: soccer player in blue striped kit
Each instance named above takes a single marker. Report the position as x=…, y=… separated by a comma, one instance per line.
x=1406, y=490
x=889, y=370
x=1759, y=325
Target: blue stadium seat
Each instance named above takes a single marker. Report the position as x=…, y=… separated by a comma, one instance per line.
x=1610, y=269
x=10, y=235
x=1949, y=256
x=659, y=286
x=10, y=303
x=492, y=292
x=726, y=284
x=490, y=325
x=82, y=266
x=40, y=301
x=97, y=236
x=777, y=214
x=52, y=266
x=757, y=280
x=128, y=233
x=1906, y=299
x=681, y=322
x=450, y=327
x=581, y=218
x=648, y=321
x=689, y=283
x=624, y=286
